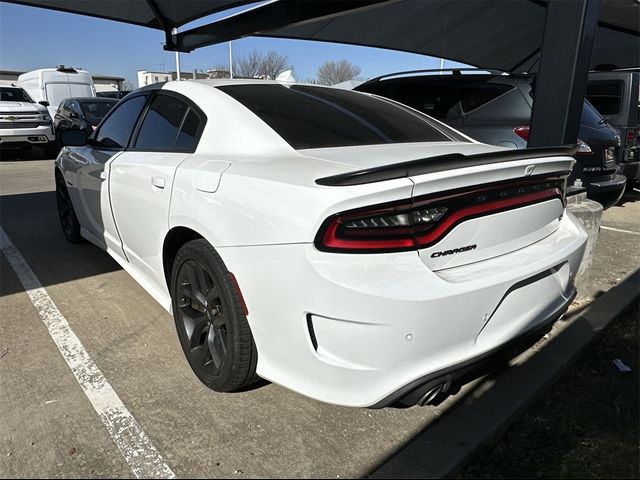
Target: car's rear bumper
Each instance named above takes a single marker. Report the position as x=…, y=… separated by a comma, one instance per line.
x=353, y=329
x=429, y=387
x=607, y=192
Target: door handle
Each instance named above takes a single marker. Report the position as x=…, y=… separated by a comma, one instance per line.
x=157, y=182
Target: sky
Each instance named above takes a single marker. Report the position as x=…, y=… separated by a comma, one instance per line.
x=32, y=38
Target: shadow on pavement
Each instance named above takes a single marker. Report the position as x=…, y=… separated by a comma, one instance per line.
x=22, y=154
x=30, y=221
x=487, y=406
x=630, y=195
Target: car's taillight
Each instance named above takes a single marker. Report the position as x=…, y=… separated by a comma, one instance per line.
x=584, y=149
x=632, y=134
x=522, y=132
x=409, y=225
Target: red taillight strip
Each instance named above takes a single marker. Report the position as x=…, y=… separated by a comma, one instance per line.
x=459, y=216
x=331, y=240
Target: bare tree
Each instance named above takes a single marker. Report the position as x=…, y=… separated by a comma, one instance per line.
x=273, y=64
x=258, y=65
x=331, y=73
x=127, y=85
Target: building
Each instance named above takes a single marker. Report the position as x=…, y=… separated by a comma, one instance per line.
x=103, y=83
x=146, y=77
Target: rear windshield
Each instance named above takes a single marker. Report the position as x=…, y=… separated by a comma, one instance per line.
x=96, y=109
x=317, y=117
x=14, y=95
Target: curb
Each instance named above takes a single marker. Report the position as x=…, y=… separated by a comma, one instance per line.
x=445, y=446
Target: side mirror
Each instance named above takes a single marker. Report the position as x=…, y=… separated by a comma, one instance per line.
x=73, y=138
x=44, y=103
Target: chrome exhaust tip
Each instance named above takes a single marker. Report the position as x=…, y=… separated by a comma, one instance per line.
x=430, y=395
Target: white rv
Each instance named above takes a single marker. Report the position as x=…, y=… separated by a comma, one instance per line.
x=50, y=86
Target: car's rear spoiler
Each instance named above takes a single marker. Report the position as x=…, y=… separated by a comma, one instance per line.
x=441, y=163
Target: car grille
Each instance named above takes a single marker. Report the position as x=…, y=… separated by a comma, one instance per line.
x=15, y=125
x=20, y=114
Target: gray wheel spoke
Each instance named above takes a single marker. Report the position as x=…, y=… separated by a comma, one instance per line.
x=194, y=324
x=198, y=295
x=201, y=355
x=204, y=284
x=217, y=346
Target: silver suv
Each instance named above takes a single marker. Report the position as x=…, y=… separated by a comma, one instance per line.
x=495, y=108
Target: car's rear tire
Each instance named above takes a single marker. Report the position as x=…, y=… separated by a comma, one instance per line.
x=210, y=320
x=67, y=215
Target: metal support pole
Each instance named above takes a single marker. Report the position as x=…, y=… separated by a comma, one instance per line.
x=561, y=82
x=175, y=32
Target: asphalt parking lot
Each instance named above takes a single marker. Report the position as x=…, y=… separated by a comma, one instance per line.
x=48, y=428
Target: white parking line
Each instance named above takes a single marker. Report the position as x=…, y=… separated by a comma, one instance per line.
x=619, y=230
x=138, y=451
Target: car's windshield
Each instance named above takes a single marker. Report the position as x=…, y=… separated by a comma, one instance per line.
x=13, y=94
x=590, y=115
x=96, y=109
x=317, y=117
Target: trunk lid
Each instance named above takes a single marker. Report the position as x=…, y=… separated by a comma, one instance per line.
x=466, y=207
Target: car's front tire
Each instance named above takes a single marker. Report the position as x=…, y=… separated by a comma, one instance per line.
x=210, y=320
x=67, y=215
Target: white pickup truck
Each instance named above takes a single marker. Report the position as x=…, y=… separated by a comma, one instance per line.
x=23, y=122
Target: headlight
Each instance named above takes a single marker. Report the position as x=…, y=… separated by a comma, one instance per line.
x=46, y=118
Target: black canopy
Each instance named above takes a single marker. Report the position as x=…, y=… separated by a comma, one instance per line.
x=503, y=34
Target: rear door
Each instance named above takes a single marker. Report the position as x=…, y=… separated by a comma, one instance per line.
x=91, y=166
x=141, y=179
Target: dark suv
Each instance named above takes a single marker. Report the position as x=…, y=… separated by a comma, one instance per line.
x=495, y=108
x=616, y=95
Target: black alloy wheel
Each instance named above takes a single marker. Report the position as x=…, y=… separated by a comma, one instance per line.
x=210, y=321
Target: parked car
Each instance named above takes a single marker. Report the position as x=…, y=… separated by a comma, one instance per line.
x=50, y=86
x=616, y=95
x=82, y=113
x=495, y=108
x=23, y=122
x=114, y=94
x=338, y=243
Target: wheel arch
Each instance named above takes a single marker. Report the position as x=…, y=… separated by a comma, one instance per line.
x=173, y=241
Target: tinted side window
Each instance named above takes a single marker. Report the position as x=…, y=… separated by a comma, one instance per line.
x=187, y=136
x=436, y=100
x=606, y=96
x=475, y=96
x=116, y=130
x=161, y=124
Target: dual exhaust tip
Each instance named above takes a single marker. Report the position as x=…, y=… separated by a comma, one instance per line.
x=428, y=393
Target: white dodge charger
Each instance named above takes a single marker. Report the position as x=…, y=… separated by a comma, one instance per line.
x=340, y=244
